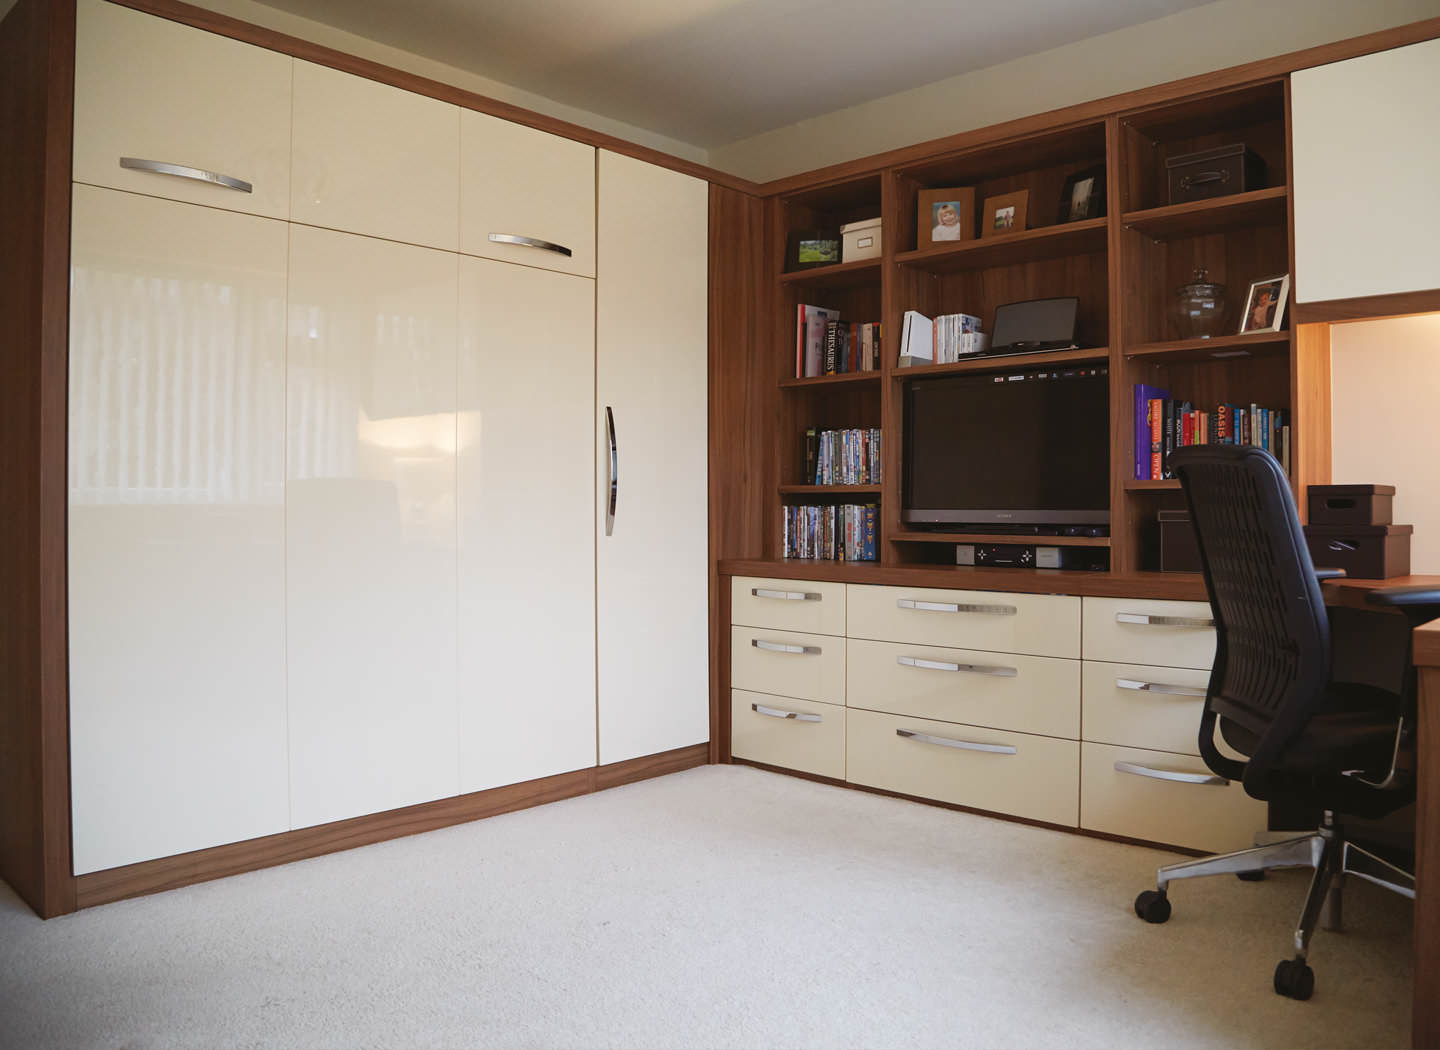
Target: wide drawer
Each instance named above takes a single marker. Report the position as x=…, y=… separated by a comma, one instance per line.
x=788, y=605
x=1163, y=797
x=1141, y=631
x=788, y=663
x=1038, y=624
x=1036, y=777
x=1031, y=694
x=781, y=731
x=1141, y=706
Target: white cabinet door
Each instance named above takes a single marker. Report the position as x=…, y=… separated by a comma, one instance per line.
x=1365, y=148
x=176, y=528
x=526, y=488
x=370, y=525
x=651, y=565
x=373, y=159
x=160, y=93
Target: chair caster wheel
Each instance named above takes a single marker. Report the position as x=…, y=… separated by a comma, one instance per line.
x=1152, y=906
x=1251, y=876
x=1294, y=979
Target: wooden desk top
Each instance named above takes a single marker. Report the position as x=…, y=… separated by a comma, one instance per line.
x=1351, y=593
x=1427, y=645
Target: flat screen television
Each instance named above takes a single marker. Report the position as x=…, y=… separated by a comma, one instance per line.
x=1025, y=448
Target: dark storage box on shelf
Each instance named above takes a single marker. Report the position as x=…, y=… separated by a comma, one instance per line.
x=1179, y=550
x=1351, y=504
x=1365, y=552
x=1215, y=172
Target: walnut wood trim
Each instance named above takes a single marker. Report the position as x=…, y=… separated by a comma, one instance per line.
x=223, y=25
x=1425, y=1021
x=167, y=873
x=1367, y=307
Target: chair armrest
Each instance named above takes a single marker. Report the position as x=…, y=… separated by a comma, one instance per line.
x=1329, y=574
x=1405, y=597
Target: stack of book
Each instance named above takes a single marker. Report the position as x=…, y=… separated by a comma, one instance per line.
x=826, y=345
x=1163, y=424
x=843, y=533
x=842, y=457
x=941, y=341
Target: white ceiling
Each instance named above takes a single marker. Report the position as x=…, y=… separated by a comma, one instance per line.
x=709, y=72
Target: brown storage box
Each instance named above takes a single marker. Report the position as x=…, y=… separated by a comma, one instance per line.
x=1179, y=550
x=1351, y=504
x=1365, y=552
x=1215, y=172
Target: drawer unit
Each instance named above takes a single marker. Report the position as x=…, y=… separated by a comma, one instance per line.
x=1038, y=624
x=788, y=605
x=1142, y=631
x=788, y=663
x=781, y=731
x=1141, y=706
x=1032, y=694
x=1035, y=777
x=1163, y=797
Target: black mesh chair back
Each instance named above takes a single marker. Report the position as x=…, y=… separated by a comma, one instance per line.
x=1272, y=653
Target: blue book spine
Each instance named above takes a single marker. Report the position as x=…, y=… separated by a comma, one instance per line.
x=1143, y=395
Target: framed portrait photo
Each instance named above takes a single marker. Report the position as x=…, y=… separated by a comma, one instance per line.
x=805, y=249
x=1083, y=196
x=1005, y=214
x=944, y=215
x=1265, y=304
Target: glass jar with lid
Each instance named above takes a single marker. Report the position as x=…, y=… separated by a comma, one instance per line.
x=1200, y=307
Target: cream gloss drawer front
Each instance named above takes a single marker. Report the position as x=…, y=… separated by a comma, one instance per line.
x=1031, y=694
x=1038, y=624
x=1035, y=777
x=1162, y=797
x=1140, y=706
x=788, y=663
x=788, y=605
x=1142, y=631
x=781, y=731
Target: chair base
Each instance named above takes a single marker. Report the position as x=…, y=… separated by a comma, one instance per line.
x=1326, y=851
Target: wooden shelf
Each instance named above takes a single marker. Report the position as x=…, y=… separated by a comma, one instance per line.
x=1000, y=537
x=846, y=379
x=830, y=490
x=1222, y=347
x=1257, y=208
x=1168, y=485
x=839, y=275
x=1006, y=362
x=1047, y=242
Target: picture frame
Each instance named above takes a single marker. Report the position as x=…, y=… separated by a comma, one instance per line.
x=1265, y=304
x=934, y=210
x=1083, y=196
x=1005, y=214
x=807, y=249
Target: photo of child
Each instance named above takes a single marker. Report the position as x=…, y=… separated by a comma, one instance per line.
x=1265, y=305
x=946, y=221
x=1005, y=218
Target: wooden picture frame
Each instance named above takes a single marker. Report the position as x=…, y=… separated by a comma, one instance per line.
x=1083, y=196
x=1261, y=315
x=932, y=215
x=800, y=249
x=1005, y=214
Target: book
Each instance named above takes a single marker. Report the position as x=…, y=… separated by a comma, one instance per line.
x=810, y=334
x=1155, y=413
x=1144, y=393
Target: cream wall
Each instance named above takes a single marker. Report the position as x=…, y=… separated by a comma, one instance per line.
x=1384, y=383
x=1198, y=40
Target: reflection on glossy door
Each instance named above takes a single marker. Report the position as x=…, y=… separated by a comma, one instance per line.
x=370, y=525
x=176, y=558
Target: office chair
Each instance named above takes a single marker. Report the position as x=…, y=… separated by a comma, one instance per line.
x=1307, y=739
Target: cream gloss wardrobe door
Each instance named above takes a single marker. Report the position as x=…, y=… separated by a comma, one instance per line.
x=176, y=528
x=197, y=117
x=373, y=159
x=651, y=337
x=526, y=196
x=527, y=574
x=370, y=525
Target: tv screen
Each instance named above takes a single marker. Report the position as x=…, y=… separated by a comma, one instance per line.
x=1026, y=448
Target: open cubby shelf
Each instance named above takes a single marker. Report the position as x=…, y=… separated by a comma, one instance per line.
x=1006, y=363
x=1219, y=347
x=1000, y=537
x=830, y=490
x=1047, y=242
x=845, y=379
x=1255, y=208
x=838, y=275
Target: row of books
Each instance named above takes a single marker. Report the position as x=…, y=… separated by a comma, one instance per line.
x=941, y=341
x=1163, y=424
x=842, y=457
x=825, y=345
x=836, y=533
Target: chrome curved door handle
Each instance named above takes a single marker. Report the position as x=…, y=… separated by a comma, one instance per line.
x=531, y=242
x=184, y=171
x=963, y=745
x=780, y=712
x=782, y=647
x=785, y=596
x=1174, y=775
x=1158, y=687
x=1150, y=620
x=613, y=495
x=994, y=670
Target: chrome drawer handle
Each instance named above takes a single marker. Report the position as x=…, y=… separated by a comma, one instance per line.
x=1158, y=687
x=776, y=712
x=994, y=670
x=160, y=167
x=963, y=745
x=1149, y=620
x=781, y=647
x=955, y=607
x=785, y=596
x=1170, y=774
x=531, y=242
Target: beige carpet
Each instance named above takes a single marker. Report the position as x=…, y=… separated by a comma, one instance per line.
x=719, y=907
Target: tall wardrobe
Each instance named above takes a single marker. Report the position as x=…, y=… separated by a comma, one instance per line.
x=387, y=447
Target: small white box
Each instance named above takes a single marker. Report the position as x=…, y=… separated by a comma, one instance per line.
x=862, y=240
